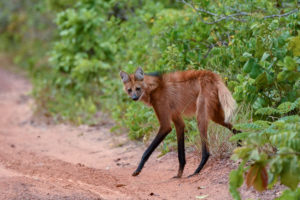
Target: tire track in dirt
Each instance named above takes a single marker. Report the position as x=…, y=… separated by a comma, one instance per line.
x=44, y=168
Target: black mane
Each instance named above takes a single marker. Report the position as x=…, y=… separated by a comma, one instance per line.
x=156, y=74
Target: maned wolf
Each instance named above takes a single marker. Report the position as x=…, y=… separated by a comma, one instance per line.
x=193, y=92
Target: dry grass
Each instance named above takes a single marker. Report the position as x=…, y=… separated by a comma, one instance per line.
x=220, y=145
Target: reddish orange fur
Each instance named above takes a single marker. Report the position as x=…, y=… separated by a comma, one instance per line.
x=176, y=93
x=193, y=92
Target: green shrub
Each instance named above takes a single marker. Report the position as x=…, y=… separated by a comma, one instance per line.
x=271, y=150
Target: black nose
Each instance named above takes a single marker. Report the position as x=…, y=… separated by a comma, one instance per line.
x=135, y=98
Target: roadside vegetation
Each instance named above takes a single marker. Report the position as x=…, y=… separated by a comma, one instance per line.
x=73, y=51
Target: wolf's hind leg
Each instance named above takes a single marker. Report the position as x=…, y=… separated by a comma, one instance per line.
x=202, y=119
x=179, y=125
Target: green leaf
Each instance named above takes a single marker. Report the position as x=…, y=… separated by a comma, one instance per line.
x=256, y=70
x=285, y=107
x=290, y=173
x=290, y=195
x=261, y=81
x=259, y=47
x=254, y=155
x=239, y=136
x=294, y=45
x=247, y=126
x=282, y=76
x=296, y=104
x=248, y=65
x=235, y=181
x=288, y=76
x=259, y=103
x=245, y=57
x=273, y=178
x=242, y=152
x=289, y=63
x=266, y=111
x=265, y=56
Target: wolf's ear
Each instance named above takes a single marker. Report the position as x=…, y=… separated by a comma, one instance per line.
x=139, y=74
x=124, y=76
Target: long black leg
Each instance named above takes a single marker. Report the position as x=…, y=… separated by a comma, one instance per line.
x=179, y=125
x=181, y=156
x=205, y=156
x=157, y=140
x=202, y=126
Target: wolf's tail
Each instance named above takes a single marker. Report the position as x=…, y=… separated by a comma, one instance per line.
x=227, y=102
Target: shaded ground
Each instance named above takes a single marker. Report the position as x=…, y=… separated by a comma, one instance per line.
x=39, y=161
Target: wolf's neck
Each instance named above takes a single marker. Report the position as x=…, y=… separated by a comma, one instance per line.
x=153, y=83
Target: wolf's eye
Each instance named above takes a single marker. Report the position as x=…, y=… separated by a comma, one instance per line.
x=138, y=89
x=129, y=90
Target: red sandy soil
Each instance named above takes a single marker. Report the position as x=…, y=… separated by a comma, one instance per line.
x=40, y=161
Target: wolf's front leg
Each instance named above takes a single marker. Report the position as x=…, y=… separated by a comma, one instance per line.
x=162, y=133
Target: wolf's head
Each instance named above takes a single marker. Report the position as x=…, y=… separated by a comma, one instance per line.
x=134, y=83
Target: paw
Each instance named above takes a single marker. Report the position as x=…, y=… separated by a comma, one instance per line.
x=176, y=177
x=135, y=173
x=194, y=174
x=179, y=175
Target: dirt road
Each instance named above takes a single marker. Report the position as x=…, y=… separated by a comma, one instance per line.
x=39, y=161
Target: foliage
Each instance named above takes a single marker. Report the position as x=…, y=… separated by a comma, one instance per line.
x=176, y=39
x=25, y=31
x=75, y=49
x=271, y=150
x=80, y=61
x=81, y=53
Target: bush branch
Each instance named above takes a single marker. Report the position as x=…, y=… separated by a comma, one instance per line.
x=282, y=15
x=199, y=9
x=233, y=16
